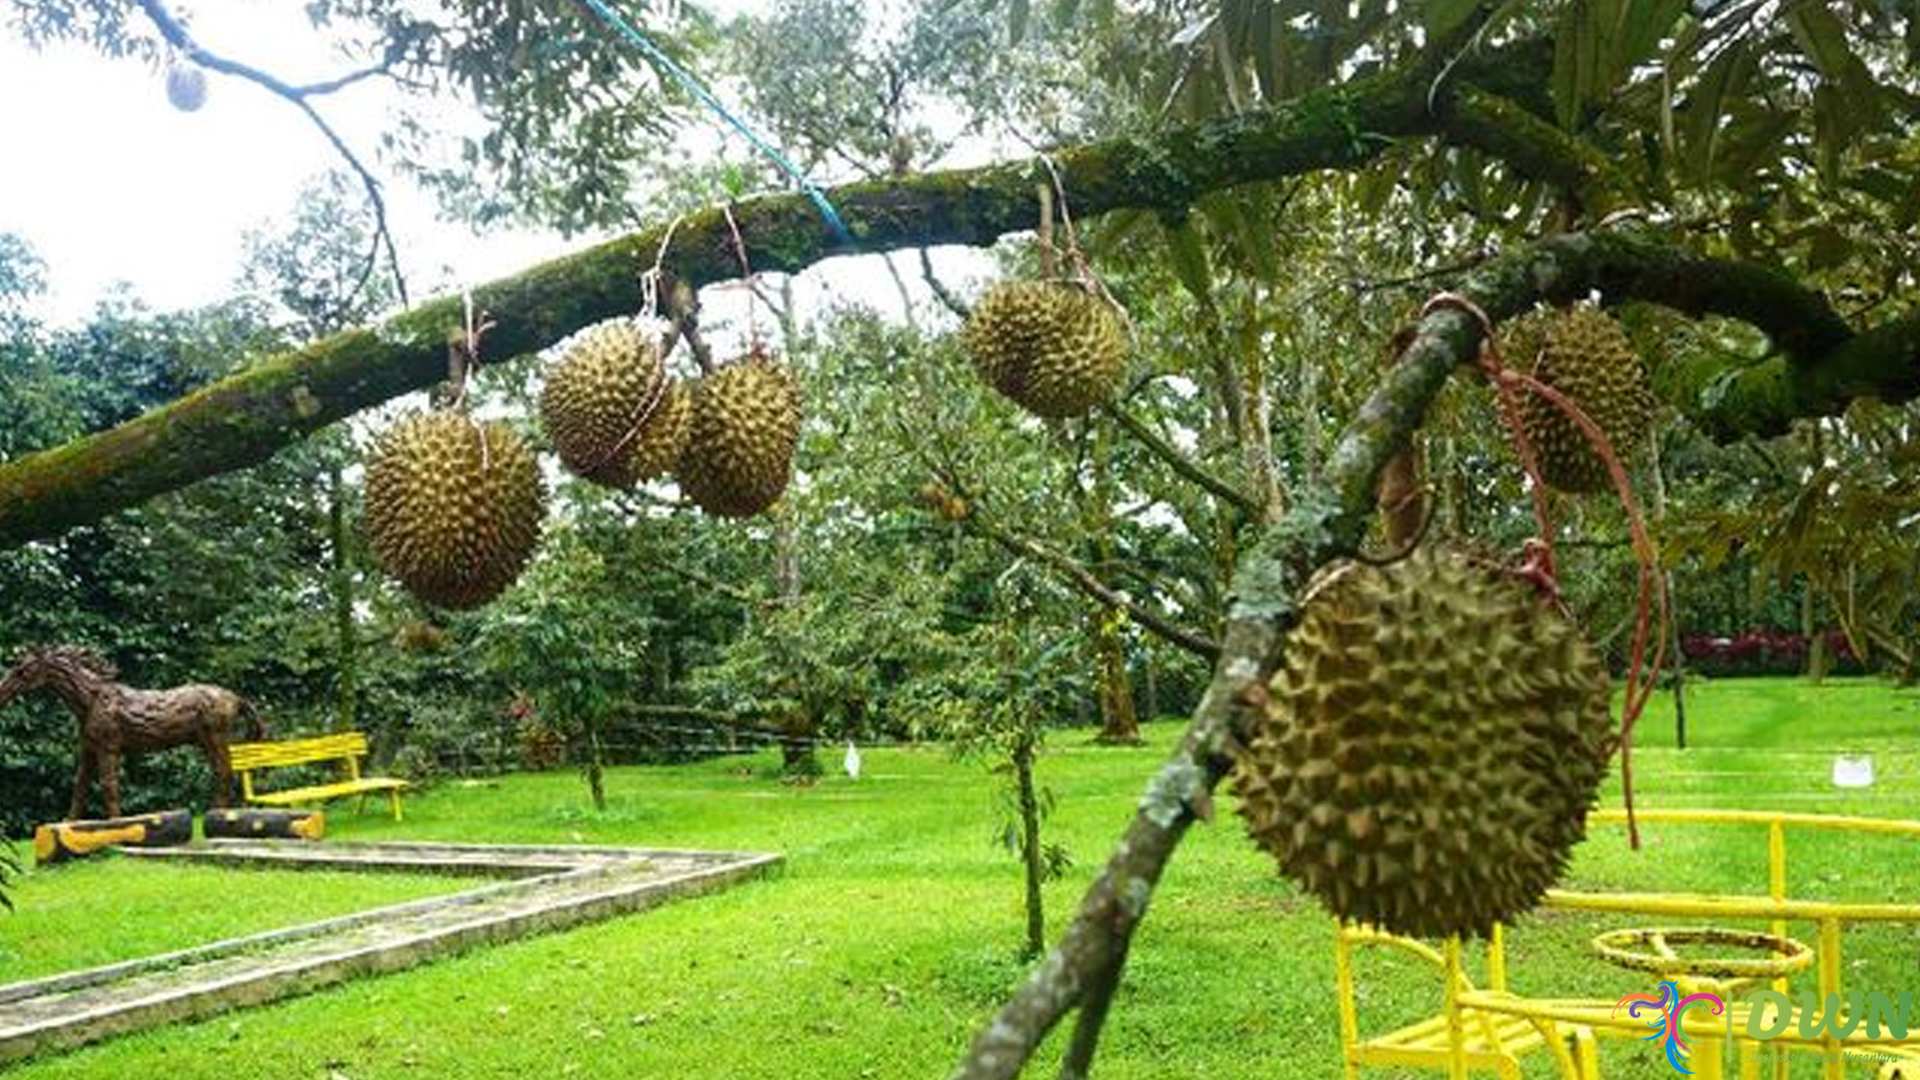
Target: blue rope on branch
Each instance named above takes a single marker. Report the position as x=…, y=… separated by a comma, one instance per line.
x=599, y=10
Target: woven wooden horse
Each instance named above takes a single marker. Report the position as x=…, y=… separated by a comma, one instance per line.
x=116, y=719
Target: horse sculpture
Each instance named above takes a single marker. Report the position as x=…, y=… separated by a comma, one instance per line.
x=116, y=719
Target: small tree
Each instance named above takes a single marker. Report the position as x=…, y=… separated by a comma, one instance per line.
x=1007, y=676
x=561, y=641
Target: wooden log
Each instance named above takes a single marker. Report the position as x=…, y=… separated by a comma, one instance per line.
x=60, y=841
x=256, y=822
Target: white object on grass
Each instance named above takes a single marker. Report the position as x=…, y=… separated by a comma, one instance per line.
x=1853, y=770
x=853, y=761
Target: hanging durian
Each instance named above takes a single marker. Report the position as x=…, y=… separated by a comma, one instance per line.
x=615, y=416
x=1054, y=347
x=454, y=507
x=1434, y=740
x=1585, y=354
x=745, y=425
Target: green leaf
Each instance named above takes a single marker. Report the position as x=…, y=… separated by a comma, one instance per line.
x=1570, y=53
x=1017, y=14
x=1443, y=17
x=1821, y=37
x=1647, y=21
x=1702, y=119
x=1830, y=248
x=1189, y=258
x=1232, y=218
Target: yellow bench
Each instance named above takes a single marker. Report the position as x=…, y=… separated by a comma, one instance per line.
x=346, y=748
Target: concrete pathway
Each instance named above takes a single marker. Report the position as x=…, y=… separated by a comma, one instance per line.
x=547, y=888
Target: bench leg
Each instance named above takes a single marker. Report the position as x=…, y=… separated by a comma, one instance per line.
x=393, y=797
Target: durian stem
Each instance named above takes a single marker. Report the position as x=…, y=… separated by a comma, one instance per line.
x=685, y=308
x=948, y=299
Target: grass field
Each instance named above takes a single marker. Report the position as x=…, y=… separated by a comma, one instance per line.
x=894, y=930
x=103, y=911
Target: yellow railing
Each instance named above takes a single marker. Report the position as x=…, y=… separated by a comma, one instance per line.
x=1470, y=1034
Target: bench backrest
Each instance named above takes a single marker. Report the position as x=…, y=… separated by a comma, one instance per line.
x=345, y=745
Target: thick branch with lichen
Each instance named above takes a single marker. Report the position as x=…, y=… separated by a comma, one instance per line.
x=244, y=419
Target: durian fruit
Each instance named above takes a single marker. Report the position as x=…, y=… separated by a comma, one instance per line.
x=944, y=502
x=616, y=417
x=186, y=86
x=1584, y=353
x=1053, y=347
x=745, y=424
x=454, y=507
x=1432, y=744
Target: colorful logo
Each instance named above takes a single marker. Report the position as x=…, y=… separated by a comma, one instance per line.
x=1667, y=1007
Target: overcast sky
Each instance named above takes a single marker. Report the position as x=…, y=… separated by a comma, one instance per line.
x=110, y=183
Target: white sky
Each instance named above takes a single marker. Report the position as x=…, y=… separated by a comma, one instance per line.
x=110, y=183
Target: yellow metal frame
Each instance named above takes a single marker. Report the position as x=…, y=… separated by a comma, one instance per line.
x=1490, y=1030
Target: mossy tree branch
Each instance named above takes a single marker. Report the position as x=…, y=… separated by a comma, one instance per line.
x=246, y=418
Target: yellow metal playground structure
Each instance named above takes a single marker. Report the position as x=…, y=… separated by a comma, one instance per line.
x=1492, y=1029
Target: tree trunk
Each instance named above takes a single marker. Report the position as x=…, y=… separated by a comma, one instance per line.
x=1119, y=721
x=1030, y=852
x=1679, y=669
x=1816, y=669
x=346, y=639
x=799, y=757
x=596, y=767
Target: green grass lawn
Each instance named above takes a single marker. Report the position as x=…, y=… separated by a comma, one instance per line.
x=106, y=910
x=893, y=932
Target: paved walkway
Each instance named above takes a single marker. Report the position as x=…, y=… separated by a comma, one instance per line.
x=548, y=888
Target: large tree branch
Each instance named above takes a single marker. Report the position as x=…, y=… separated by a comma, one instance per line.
x=1327, y=521
x=1503, y=129
x=246, y=418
